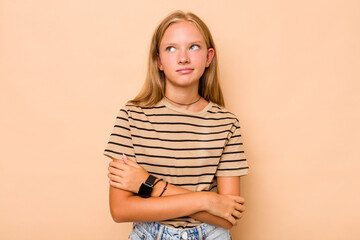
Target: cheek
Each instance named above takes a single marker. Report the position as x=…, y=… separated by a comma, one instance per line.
x=200, y=59
x=165, y=61
x=164, y=66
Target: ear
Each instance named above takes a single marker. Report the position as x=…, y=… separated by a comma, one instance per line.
x=210, y=56
x=159, y=63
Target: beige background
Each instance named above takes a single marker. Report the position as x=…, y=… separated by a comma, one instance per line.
x=289, y=69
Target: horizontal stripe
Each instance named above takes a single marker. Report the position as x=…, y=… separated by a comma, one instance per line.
x=119, y=135
x=119, y=144
x=180, y=115
x=232, y=169
x=236, y=136
x=161, y=156
x=234, y=144
x=110, y=151
x=154, y=107
x=232, y=152
x=122, y=118
x=214, y=106
x=190, y=132
x=179, y=140
x=221, y=112
x=214, y=186
x=118, y=126
x=236, y=160
x=172, y=166
x=182, y=175
x=190, y=184
x=177, y=149
x=178, y=123
x=176, y=158
x=124, y=111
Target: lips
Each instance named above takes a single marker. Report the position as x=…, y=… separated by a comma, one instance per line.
x=184, y=70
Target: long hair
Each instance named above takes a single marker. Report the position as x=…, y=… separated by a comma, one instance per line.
x=153, y=89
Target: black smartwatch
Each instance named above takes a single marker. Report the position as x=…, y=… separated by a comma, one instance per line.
x=147, y=187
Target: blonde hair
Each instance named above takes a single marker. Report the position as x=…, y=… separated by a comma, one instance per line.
x=154, y=87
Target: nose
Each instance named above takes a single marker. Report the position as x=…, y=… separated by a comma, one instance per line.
x=183, y=57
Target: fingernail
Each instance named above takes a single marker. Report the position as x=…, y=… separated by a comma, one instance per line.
x=125, y=158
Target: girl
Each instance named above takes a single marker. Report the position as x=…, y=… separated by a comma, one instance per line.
x=177, y=152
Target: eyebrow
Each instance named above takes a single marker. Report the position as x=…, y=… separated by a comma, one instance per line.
x=170, y=43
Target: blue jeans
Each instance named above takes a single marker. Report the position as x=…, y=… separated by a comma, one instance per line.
x=157, y=231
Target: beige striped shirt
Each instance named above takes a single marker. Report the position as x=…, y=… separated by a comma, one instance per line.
x=187, y=149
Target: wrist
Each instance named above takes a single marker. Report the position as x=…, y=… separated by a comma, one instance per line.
x=146, y=187
x=206, y=200
x=158, y=188
x=140, y=182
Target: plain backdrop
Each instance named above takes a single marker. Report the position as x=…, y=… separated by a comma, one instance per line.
x=289, y=70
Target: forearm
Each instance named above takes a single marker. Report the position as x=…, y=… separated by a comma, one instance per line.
x=125, y=179
x=126, y=207
x=202, y=216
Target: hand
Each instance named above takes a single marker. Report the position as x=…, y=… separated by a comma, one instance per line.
x=126, y=175
x=228, y=207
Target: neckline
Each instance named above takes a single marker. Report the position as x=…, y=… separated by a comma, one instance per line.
x=181, y=110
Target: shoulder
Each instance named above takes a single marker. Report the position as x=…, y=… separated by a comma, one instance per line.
x=130, y=107
x=222, y=113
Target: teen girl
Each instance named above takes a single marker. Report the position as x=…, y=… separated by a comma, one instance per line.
x=177, y=152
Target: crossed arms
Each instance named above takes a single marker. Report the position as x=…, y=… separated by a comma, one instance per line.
x=221, y=209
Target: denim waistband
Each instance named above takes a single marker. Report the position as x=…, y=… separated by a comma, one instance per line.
x=160, y=230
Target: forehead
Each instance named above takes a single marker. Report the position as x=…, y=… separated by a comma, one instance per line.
x=183, y=31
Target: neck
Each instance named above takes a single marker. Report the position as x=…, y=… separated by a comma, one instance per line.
x=184, y=104
x=182, y=96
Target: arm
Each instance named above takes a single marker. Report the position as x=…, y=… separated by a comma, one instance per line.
x=226, y=186
x=122, y=177
x=201, y=215
x=126, y=207
x=230, y=185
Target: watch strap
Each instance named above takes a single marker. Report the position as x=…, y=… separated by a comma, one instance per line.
x=147, y=187
x=150, y=180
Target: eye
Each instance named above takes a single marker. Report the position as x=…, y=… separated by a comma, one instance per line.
x=170, y=49
x=194, y=47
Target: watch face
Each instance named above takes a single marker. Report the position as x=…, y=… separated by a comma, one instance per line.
x=147, y=187
x=145, y=191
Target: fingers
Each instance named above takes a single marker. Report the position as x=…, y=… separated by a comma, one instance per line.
x=129, y=162
x=237, y=214
x=239, y=199
x=118, y=165
x=114, y=178
x=115, y=184
x=240, y=207
x=118, y=181
x=231, y=219
x=115, y=171
x=125, y=158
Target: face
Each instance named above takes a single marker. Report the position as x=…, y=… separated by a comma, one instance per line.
x=183, y=55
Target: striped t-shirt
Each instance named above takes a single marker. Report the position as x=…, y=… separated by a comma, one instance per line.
x=187, y=149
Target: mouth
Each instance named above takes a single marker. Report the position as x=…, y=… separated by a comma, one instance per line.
x=184, y=70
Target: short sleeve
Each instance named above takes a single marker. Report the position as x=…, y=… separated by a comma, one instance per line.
x=233, y=161
x=120, y=139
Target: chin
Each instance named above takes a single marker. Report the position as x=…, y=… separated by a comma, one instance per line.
x=184, y=83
